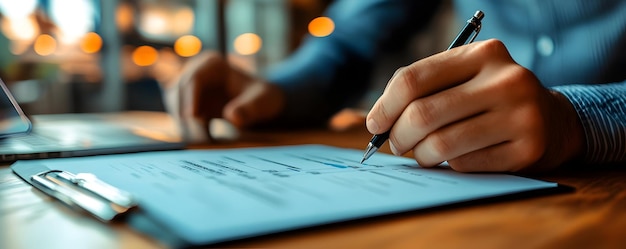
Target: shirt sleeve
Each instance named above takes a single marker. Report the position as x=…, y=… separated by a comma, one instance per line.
x=602, y=112
x=328, y=73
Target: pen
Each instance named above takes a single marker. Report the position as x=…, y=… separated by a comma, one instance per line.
x=467, y=35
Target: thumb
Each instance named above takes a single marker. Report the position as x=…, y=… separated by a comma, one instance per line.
x=259, y=102
x=234, y=112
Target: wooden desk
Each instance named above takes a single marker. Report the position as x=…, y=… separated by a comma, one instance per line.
x=594, y=216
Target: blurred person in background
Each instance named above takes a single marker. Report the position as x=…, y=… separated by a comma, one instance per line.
x=542, y=86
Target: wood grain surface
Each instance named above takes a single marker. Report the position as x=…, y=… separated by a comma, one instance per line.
x=593, y=215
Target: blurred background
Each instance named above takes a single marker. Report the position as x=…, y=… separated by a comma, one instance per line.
x=62, y=56
x=73, y=56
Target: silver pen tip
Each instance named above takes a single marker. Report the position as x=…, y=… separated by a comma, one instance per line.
x=369, y=151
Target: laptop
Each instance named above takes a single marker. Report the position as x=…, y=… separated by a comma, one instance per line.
x=70, y=135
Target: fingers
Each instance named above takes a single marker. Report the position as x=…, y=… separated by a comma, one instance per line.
x=504, y=157
x=209, y=97
x=458, y=139
x=431, y=75
x=257, y=103
x=474, y=107
x=209, y=87
x=417, y=80
x=425, y=115
x=198, y=95
x=201, y=79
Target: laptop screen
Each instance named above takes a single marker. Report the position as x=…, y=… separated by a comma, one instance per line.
x=12, y=119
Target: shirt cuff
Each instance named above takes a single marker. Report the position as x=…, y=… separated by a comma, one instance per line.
x=602, y=112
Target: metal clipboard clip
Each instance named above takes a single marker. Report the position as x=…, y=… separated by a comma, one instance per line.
x=85, y=192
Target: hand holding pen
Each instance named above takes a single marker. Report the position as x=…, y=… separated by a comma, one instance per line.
x=477, y=109
x=472, y=26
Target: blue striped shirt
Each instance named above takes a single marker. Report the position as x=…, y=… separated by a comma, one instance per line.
x=577, y=47
x=602, y=111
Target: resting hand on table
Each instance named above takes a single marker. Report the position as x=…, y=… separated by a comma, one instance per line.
x=209, y=87
x=474, y=107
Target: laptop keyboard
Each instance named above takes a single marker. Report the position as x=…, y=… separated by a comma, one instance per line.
x=35, y=139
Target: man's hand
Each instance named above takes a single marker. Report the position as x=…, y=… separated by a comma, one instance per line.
x=474, y=107
x=209, y=87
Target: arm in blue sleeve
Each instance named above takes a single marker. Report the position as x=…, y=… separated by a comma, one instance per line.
x=326, y=74
x=602, y=112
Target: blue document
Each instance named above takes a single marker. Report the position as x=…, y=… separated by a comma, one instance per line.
x=209, y=196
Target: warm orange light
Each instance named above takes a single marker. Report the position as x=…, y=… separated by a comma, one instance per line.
x=321, y=26
x=91, y=43
x=248, y=44
x=155, y=21
x=124, y=17
x=187, y=45
x=145, y=56
x=45, y=45
x=20, y=28
x=182, y=21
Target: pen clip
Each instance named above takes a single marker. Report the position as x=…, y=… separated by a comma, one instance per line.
x=476, y=31
x=85, y=192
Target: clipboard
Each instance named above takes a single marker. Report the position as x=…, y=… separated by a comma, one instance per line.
x=88, y=195
x=202, y=197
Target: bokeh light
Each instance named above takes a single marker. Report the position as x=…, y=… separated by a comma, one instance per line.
x=321, y=26
x=154, y=21
x=17, y=9
x=248, y=44
x=91, y=43
x=187, y=46
x=20, y=28
x=45, y=45
x=124, y=17
x=145, y=56
x=160, y=21
x=18, y=21
x=73, y=17
x=182, y=21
